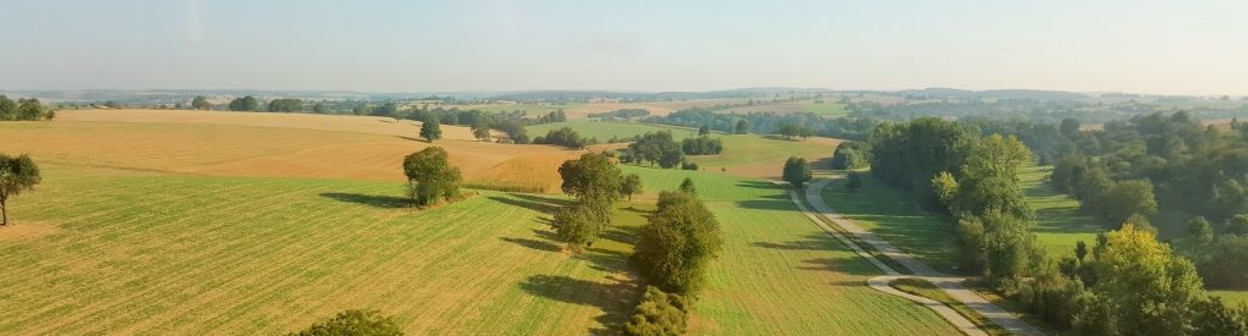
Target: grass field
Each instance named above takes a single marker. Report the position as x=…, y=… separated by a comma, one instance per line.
x=929, y=290
x=750, y=155
x=1059, y=225
x=779, y=274
x=605, y=130
x=99, y=251
x=894, y=215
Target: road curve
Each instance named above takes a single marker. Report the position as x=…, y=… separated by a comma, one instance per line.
x=950, y=284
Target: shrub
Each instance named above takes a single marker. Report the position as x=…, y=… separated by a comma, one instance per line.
x=355, y=323
x=658, y=314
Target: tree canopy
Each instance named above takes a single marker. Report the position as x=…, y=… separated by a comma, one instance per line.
x=17, y=174
x=355, y=323
x=796, y=172
x=430, y=176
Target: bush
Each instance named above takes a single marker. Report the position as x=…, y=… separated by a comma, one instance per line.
x=851, y=155
x=658, y=314
x=689, y=165
x=354, y=323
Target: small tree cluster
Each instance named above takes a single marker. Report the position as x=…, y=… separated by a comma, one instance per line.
x=201, y=103
x=703, y=145
x=430, y=176
x=791, y=130
x=247, y=103
x=566, y=137
x=286, y=105
x=354, y=323
x=29, y=109
x=796, y=172
x=658, y=147
x=851, y=155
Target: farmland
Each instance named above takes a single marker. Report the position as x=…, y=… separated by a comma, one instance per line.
x=146, y=225
x=122, y=252
x=750, y=155
x=780, y=274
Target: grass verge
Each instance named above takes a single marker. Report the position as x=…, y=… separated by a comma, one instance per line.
x=929, y=290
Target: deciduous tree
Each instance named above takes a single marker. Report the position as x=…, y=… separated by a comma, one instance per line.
x=17, y=174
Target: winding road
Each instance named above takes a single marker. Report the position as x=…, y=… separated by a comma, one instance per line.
x=950, y=284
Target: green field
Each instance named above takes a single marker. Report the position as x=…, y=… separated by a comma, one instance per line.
x=604, y=130
x=1059, y=225
x=895, y=216
x=826, y=109
x=114, y=252
x=779, y=274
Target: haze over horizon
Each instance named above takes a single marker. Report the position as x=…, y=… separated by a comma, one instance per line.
x=1152, y=47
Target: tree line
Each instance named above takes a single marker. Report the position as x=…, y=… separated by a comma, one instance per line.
x=28, y=109
x=1129, y=284
x=769, y=123
x=662, y=149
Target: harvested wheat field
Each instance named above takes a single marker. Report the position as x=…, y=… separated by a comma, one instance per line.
x=120, y=252
x=327, y=122
x=232, y=150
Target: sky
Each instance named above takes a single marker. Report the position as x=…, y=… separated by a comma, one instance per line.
x=1140, y=46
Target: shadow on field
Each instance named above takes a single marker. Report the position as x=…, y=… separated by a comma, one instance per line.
x=377, y=201
x=621, y=234
x=814, y=242
x=615, y=296
x=532, y=243
x=757, y=184
x=845, y=265
x=769, y=202
x=546, y=205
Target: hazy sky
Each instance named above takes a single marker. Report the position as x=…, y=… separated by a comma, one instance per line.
x=1183, y=47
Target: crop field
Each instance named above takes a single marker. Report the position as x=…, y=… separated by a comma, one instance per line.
x=779, y=274
x=230, y=150
x=895, y=216
x=344, y=123
x=187, y=227
x=99, y=251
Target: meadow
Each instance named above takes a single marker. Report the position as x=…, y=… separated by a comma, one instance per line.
x=779, y=274
x=193, y=227
x=1059, y=225
x=895, y=216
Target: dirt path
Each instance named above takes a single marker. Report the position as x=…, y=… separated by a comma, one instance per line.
x=950, y=284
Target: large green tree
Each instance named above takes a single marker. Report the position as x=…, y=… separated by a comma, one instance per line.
x=17, y=174
x=677, y=244
x=431, y=130
x=593, y=179
x=201, y=103
x=247, y=103
x=1151, y=290
x=631, y=185
x=430, y=176
x=8, y=108
x=796, y=172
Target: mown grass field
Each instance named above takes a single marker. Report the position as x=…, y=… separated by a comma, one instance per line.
x=895, y=216
x=97, y=251
x=781, y=275
x=1059, y=225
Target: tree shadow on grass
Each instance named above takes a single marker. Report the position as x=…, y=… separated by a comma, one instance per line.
x=532, y=243
x=542, y=207
x=757, y=184
x=616, y=296
x=769, y=202
x=377, y=201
